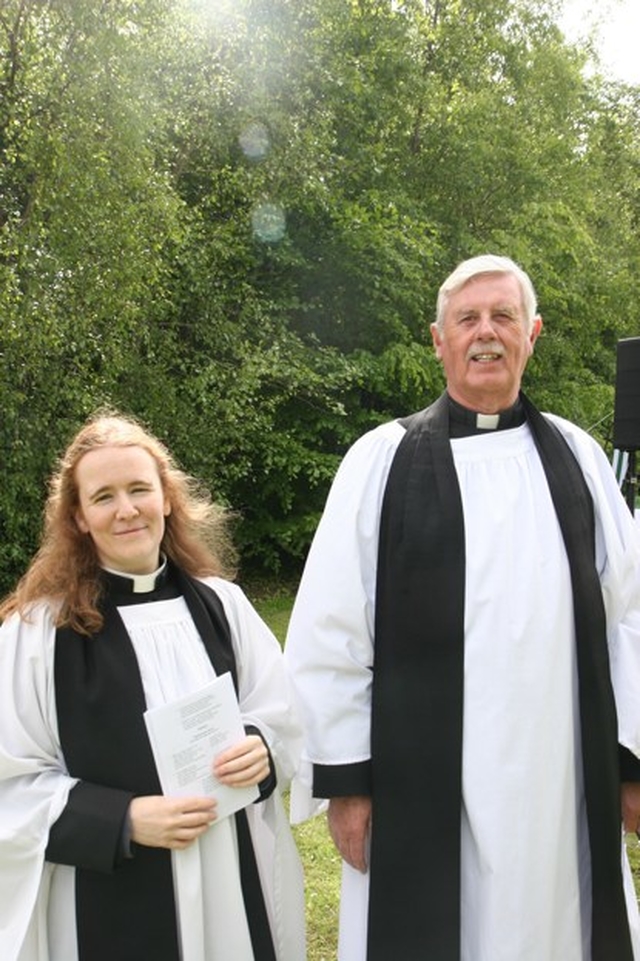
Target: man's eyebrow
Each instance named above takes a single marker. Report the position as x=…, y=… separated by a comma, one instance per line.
x=505, y=309
x=510, y=309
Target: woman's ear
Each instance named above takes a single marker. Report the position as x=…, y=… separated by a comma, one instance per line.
x=80, y=522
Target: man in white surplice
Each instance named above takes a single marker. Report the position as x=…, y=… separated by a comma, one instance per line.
x=525, y=891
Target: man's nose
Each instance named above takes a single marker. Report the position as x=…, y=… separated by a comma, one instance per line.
x=485, y=326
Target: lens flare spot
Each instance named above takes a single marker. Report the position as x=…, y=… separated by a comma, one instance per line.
x=268, y=222
x=255, y=141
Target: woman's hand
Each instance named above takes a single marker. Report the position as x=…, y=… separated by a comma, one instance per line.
x=244, y=764
x=170, y=822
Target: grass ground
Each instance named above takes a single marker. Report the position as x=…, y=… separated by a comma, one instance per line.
x=320, y=861
x=633, y=850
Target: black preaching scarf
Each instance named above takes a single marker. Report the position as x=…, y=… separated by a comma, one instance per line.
x=416, y=734
x=127, y=912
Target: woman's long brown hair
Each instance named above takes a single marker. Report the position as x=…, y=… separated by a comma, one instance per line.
x=65, y=570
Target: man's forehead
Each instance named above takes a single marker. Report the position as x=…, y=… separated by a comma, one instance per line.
x=498, y=289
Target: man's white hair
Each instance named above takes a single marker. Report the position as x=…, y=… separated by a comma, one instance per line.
x=487, y=264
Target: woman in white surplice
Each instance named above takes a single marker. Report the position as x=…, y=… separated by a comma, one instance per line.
x=125, y=608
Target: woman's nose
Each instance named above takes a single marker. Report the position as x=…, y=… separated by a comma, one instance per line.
x=126, y=507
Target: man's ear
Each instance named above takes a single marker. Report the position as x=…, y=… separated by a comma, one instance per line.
x=437, y=340
x=536, y=327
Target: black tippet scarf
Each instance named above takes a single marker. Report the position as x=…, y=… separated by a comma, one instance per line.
x=414, y=903
x=127, y=912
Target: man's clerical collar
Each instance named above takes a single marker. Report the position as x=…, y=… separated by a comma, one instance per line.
x=464, y=422
x=137, y=583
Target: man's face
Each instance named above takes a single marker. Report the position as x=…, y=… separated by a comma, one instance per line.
x=484, y=345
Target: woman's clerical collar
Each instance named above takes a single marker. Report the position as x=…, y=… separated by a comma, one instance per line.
x=464, y=422
x=137, y=583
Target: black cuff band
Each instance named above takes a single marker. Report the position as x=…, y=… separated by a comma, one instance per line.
x=341, y=780
x=268, y=785
x=629, y=765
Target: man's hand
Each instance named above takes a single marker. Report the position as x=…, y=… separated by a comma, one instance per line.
x=630, y=793
x=169, y=822
x=349, y=820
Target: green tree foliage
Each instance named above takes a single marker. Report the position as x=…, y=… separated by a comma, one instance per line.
x=231, y=218
x=83, y=217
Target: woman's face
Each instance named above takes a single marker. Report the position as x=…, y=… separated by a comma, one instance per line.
x=122, y=507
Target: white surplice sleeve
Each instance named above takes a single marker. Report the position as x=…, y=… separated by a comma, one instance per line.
x=265, y=693
x=266, y=702
x=34, y=784
x=329, y=647
x=618, y=561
